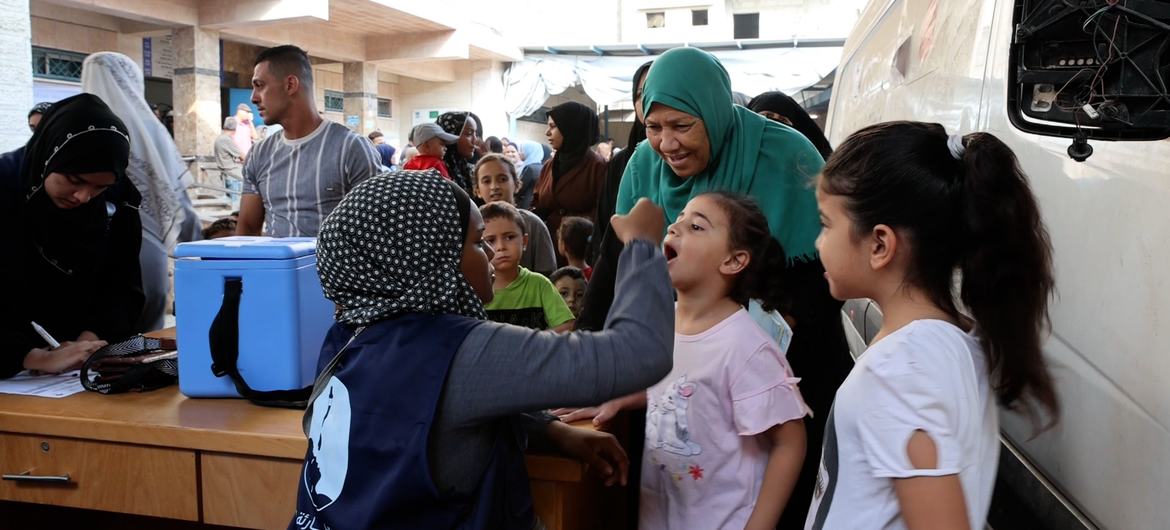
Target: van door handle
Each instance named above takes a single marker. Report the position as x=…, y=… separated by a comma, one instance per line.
x=27, y=476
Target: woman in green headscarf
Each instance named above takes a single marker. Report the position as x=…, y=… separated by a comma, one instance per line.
x=699, y=141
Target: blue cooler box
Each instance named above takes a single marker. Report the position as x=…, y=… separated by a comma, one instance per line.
x=283, y=314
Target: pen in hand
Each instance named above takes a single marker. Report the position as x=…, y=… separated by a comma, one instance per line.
x=53, y=344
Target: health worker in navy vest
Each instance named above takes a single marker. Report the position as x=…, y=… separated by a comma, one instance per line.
x=420, y=415
x=71, y=239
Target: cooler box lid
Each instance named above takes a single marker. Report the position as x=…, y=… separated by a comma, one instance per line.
x=247, y=247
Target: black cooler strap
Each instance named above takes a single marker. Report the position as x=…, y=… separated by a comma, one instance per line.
x=224, y=342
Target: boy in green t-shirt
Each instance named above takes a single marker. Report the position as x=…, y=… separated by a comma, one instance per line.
x=522, y=297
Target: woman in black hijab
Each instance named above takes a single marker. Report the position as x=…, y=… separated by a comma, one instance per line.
x=779, y=107
x=73, y=235
x=607, y=202
x=570, y=184
x=461, y=157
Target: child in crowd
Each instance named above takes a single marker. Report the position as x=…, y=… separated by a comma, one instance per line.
x=225, y=227
x=522, y=297
x=497, y=180
x=431, y=142
x=912, y=439
x=573, y=238
x=725, y=437
x=571, y=283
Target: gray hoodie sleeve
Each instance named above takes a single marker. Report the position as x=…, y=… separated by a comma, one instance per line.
x=502, y=370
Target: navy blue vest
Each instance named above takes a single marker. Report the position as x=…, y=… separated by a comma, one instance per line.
x=367, y=464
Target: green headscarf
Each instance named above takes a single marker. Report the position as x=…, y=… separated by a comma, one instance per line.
x=772, y=163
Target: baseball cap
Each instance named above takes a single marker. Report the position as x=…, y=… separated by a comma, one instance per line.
x=423, y=133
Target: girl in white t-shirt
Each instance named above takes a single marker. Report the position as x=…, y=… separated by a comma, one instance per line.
x=911, y=441
x=724, y=437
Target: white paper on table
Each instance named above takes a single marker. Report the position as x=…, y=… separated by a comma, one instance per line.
x=50, y=386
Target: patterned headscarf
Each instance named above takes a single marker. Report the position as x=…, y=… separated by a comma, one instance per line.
x=394, y=245
x=459, y=167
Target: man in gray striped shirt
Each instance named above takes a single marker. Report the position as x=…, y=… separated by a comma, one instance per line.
x=294, y=178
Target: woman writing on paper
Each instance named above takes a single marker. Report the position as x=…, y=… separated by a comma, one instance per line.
x=71, y=247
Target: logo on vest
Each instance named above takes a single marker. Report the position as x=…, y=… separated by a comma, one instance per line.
x=329, y=445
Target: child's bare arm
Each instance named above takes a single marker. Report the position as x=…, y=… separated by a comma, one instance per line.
x=604, y=412
x=930, y=502
x=784, y=461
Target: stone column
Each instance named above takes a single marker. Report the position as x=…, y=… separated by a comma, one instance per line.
x=361, y=97
x=15, y=73
x=487, y=91
x=196, y=93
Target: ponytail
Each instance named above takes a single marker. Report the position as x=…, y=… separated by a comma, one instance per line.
x=1006, y=271
x=763, y=279
x=965, y=205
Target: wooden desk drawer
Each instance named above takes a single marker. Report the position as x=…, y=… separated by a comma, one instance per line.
x=249, y=491
x=102, y=476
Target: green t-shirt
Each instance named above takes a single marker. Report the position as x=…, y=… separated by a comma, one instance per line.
x=530, y=301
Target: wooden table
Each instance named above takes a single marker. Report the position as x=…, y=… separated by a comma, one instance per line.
x=212, y=461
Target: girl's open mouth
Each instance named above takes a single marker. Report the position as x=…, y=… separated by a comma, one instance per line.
x=669, y=252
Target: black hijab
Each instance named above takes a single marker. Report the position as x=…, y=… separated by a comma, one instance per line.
x=638, y=130
x=579, y=130
x=782, y=104
x=77, y=135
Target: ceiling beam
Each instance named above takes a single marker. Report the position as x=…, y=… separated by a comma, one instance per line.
x=221, y=14
x=432, y=12
x=326, y=45
x=433, y=71
x=172, y=13
x=425, y=46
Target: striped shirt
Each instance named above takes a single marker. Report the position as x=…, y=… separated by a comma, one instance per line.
x=301, y=181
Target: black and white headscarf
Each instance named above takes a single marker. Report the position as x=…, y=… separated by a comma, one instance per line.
x=394, y=245
x=460, y=168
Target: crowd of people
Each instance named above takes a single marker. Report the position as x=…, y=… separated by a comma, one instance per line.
x=686, y=288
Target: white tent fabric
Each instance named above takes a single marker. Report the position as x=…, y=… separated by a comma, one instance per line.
x=606, y=79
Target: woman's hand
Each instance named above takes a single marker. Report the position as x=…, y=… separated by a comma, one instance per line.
x=70, y=356
x=88, y=336
x=600, y=450
x=645, y=221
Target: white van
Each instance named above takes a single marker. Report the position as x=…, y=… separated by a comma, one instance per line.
x=1057, y=79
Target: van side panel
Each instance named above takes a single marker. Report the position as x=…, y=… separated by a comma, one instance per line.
x=921, y=58
x=1110, y=226
x=1109, y=219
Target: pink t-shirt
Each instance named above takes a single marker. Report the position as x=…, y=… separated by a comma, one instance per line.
x=243, y=136
x=703, y=464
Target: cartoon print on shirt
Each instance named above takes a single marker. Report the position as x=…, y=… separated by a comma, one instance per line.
x=667, y=427
x=324, y=474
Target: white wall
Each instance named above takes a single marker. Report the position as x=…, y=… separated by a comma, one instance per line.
x=779, y=19
x=15, y=73
x=478, y=87
x=546, y=23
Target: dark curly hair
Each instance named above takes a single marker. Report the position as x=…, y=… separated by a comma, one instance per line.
x=763, y=279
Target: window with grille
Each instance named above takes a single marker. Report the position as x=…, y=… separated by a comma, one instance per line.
x=334, y=101
x=62, y=65
x=384, y=108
